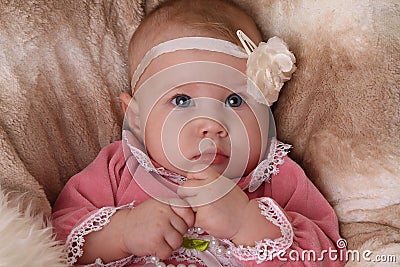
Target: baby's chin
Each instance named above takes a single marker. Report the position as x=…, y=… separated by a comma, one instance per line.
x=219, y=167
x=221, y=170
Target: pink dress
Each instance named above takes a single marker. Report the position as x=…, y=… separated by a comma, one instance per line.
x=285, y=195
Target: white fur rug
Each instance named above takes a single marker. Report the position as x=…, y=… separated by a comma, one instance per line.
x=24, y=239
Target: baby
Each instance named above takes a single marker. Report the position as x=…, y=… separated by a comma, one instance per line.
x=199, y=177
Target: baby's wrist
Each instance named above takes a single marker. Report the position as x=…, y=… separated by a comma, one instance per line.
x=120, y=223
x=238, y=238
x=254, y=226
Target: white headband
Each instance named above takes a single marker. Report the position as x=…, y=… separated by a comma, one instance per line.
x=269, y=64
x=186, y=43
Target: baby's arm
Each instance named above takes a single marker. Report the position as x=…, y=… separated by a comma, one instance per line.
x=102, y=213
x=305, y=217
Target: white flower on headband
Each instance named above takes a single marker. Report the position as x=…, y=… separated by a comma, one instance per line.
x=269, y=65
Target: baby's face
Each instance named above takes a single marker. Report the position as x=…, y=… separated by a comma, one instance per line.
x=200, y=139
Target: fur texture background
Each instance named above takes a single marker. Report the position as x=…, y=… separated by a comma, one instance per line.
x=63, y=64
x=25, y=239
x=62, y=67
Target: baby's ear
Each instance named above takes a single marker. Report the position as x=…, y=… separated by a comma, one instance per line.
x=125, y=99
x=131, y=113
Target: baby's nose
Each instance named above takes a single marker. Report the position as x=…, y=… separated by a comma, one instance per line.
x=210, y=128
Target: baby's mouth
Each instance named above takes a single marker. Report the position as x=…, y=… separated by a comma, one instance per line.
x=211, y=155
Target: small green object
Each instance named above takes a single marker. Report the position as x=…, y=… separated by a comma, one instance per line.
x=196, y=244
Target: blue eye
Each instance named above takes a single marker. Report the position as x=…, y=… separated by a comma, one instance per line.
x=234, y=101
x=182, y=101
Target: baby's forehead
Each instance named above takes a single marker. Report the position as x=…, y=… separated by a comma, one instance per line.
x=186, y=56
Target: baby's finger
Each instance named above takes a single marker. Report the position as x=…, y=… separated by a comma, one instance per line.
x=164, y=250
x=202, y=199
x=186, y=214
x=174, y=239
x=179, y=224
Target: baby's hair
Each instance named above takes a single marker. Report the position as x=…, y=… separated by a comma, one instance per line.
x=211, y=18
x=207, y=16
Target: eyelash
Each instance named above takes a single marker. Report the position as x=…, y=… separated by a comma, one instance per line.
x=174, y=98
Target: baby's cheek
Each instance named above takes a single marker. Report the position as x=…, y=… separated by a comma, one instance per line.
x=186, y=143
x=153, y=139
x=255, y=149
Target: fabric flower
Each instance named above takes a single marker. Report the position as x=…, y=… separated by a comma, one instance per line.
x=269, y=66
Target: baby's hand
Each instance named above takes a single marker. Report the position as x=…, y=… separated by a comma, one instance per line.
x=218, y=201
x=155, y=228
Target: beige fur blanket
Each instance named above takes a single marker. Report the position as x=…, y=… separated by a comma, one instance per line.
x=63, y=64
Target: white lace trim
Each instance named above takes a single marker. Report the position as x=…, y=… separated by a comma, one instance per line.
x=120, y=263
x=95, y=222
x=174, y=177
x=269, y=166
x=140, y=156
x=266, y=249
x=187, y=255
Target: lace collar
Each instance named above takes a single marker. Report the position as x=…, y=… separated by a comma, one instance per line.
x=269, y=166
x=262, y=173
